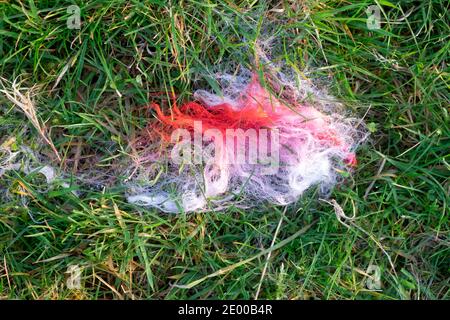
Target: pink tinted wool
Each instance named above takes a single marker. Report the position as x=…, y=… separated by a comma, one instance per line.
x=313, y=147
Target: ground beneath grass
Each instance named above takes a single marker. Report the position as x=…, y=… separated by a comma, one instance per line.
x=90, y=83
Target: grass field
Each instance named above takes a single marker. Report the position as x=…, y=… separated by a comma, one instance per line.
x=90, y=81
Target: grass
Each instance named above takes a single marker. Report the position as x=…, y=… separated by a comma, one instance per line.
x=93, y=80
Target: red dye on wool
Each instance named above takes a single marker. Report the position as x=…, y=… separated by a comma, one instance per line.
x=256, y=109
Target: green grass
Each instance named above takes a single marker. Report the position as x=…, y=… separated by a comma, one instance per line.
x=397, y=77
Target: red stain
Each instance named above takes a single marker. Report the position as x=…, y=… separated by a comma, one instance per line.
x=257, y=109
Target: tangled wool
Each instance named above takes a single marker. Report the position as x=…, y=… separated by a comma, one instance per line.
x=240, y=149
